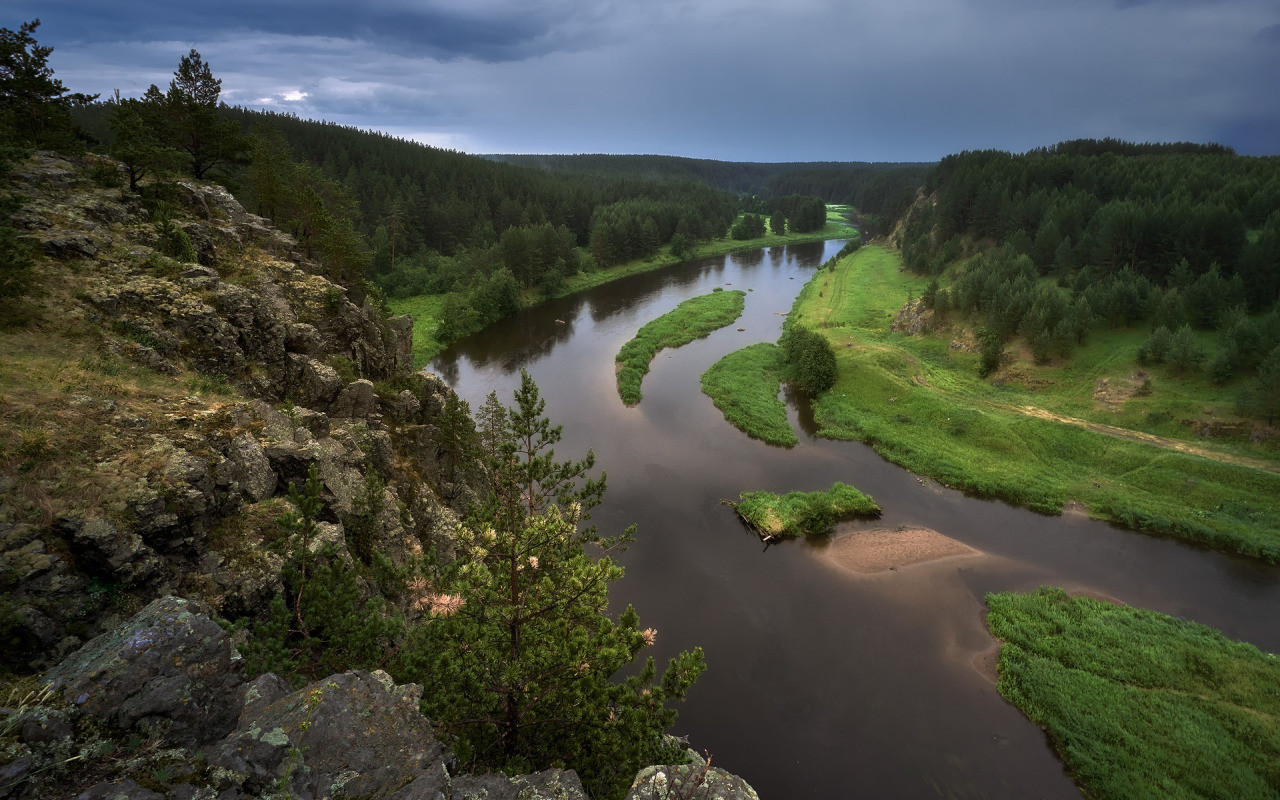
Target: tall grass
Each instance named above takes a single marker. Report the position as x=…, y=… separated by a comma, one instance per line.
x=744, y=385
x=1139, y=704
x=693, y=319
x=920, y=404
x=803, y=513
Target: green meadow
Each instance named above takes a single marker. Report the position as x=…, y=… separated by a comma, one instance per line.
x=1140, y=704
x=1040, y=437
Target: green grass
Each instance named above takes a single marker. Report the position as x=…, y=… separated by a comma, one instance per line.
x=803, y=513
x=920, y=404
x=1139, y=704
x=426, y=311
x=744, y=385
x=692, y=319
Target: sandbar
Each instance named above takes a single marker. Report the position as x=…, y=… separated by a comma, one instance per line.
x=882, y=549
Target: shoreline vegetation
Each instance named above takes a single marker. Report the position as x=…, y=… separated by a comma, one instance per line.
x=1137, y=703
x=744, y=385
x=427, y=310
x=695, y=318
x=779, y=516
x=917, y=400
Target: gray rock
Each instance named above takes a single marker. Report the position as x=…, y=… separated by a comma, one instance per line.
x=119, y=790
x=694, y=781
x=70, y=245
x=356, y=734
x=356, y=401
x=120, y=554
x=552, y=784
x=313, y=383
x=170, y=669
x=261, y=692
x=256, y=478
x=305, y=339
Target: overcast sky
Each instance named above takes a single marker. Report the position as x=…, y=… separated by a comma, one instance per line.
x=741, y=80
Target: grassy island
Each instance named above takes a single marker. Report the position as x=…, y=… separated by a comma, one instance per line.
x=1036, y=436
x=1139, y=704
x=803, y=513
x=744, y=385
x=693, y=319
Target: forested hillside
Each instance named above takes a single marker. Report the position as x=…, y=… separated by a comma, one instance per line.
x=1181, y=238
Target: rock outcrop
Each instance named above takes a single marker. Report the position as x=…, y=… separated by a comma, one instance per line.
x=258, y=369
x=170, y=685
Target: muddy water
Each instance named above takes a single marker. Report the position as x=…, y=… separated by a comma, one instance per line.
x=821, y=682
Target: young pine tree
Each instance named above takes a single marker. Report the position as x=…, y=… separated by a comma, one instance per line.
x=519, y=660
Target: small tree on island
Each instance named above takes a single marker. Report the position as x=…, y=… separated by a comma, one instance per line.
x=519, y=662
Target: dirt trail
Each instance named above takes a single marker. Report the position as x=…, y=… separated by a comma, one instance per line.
x=1097, y=427
x=1146, y=438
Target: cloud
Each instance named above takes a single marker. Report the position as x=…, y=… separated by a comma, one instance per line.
x=740, y=79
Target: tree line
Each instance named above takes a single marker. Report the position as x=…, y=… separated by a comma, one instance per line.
x=1179, y=237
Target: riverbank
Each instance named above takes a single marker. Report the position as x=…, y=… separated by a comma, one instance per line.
x=919, y=402
x=426, y=310
x=1137, y=703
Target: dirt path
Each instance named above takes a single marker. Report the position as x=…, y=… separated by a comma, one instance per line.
x=1146, y=438
x=1097, y=427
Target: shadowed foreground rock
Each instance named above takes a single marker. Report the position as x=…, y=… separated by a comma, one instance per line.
x=173, y=717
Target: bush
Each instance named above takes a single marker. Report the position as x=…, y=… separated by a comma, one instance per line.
x=811, y=363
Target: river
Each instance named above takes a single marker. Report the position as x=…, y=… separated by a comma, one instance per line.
x=821, y=682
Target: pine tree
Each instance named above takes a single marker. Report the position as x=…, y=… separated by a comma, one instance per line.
x=192, y=124
x=519, y=659
x=35, y=108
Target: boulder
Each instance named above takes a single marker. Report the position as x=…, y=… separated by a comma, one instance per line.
x=552, y=784
x=356, y=734
x=170, y=670
x=253, y=469
x=313, y=383
x=120, y=555
x=695, y=781
x=357, y=400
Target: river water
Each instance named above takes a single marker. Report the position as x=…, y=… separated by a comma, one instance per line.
x=821, y=682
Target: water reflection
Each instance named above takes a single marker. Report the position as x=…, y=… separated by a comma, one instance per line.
x=820, y=678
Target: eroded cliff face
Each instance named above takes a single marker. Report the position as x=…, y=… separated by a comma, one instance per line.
x=153, y=413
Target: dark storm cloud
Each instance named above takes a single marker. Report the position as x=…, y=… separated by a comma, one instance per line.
x=443, y=30
x=735, y=79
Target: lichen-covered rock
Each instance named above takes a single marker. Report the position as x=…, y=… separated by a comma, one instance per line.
x=314, y=383
x=552, y=784
x=119, y=555
x=254, y=475
x=171, y=669
x=357, y=400
x=357, y=734
x=119, y=790
x=695, y=781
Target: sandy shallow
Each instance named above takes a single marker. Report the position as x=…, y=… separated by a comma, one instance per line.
x=879, y=549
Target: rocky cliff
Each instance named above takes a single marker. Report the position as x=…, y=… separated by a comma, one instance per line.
x=153, y=412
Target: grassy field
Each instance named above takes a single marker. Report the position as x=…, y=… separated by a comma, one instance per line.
x=803, y=513
x=1139, y=704
x=426, y=309
x=919, y=402
x=744, y=385
x=692, y=319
